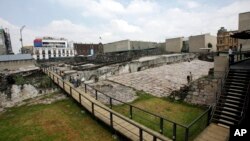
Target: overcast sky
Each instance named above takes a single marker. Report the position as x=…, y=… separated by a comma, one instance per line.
x=87, y=20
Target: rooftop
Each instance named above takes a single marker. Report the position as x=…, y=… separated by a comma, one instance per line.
x=15, y=57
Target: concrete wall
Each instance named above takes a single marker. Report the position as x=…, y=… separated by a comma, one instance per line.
x=174, y=44
x=196, y=42
x=126, y=45
x=2, y=43
x=201, y=41
x=220, y=65
x=138, y=45
x=203, y=91
x=244, y=24
x=213, y=40
x=123, y=45
x=13, y=65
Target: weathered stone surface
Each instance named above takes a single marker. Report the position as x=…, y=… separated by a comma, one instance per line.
x=161, y=81
x=114, y=90
x=19, y=94
x=203, y=91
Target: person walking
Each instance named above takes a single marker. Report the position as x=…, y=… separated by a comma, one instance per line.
x=231, y=56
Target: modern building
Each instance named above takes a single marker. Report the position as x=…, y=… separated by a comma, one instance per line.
x=5, y=42
x=127, y=45
x=202, y=43
x=244, y=24
x=48, y=47
x=17, y=61
x=174, y=44
x=27, y=49
x=224, y=41
x=88, y=49
x=179, y=44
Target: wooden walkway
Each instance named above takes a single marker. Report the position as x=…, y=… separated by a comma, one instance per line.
x=214, y=132
x=118, y=122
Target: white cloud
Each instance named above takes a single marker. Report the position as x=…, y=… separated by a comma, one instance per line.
x=103, y=8
x=192, y=4
x=123, y=26
x=138, y=20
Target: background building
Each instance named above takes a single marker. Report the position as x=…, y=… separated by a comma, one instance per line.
x=5, y=42
x=179, y=44
x=224, y=41
x=17, y=61
x=127, y=45
x=200, y=43
x=244, y=24
x=27, y=50
x=88, y=49
x=48, y=47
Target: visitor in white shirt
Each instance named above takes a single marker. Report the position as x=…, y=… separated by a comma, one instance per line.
x=231, y=56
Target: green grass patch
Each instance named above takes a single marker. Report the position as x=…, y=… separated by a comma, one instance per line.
x=63, y=120
x=177, y=111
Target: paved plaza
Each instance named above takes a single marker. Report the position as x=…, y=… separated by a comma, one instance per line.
x=161, y=81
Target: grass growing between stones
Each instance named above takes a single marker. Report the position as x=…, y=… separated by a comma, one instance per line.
x=63, y=120
x=176, y=111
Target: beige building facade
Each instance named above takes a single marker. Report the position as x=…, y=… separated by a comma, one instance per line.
x=200, y=43
x=127, y=45
x=224, y=41
x=174, y=44
x=244, y=24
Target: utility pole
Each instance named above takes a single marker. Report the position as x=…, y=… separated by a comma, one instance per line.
x=21, y=39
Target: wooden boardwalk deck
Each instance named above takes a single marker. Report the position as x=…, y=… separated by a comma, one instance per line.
x=118, y=122
x=214, y=132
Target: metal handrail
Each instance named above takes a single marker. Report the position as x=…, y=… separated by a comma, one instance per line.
x=141, y=127
x=139, y=108
x=218, y=94
x=186, y=127
x=245, y=105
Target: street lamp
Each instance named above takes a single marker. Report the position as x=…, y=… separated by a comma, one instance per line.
x=21, y=39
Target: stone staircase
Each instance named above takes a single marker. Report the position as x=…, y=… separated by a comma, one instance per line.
x=229, y=109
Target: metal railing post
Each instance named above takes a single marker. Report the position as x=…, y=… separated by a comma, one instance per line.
x=85, y=88
x=111, y=119
x=110, y=102
x=130, y=112
x=80, y=98
x=93, y=110
x=70, y=90
x=161, y=125
x=209, y=115
x=140, y=133
x=96, y=97
x=174, y=132
x=186, y=134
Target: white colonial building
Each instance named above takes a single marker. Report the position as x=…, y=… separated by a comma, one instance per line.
x=48, y=47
